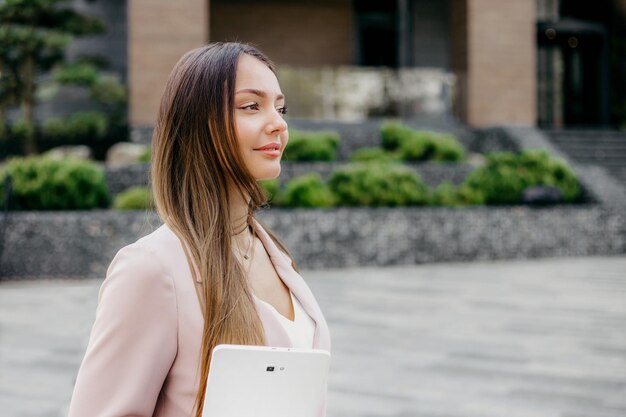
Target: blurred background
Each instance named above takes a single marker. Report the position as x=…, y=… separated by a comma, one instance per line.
x=456, y=166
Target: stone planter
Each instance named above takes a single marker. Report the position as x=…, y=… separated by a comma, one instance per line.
x=82, y=244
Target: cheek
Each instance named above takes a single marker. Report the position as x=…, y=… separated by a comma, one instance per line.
x=245, y=134
x=284, y=139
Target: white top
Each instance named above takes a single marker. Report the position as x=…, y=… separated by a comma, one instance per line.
x=302, y=329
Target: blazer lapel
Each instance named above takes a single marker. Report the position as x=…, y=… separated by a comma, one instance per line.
x=298, y=286
x=275, y=334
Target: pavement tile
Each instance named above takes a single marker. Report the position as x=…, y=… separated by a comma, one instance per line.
x=527, y=338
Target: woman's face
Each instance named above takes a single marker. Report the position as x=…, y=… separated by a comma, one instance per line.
x=259, y=118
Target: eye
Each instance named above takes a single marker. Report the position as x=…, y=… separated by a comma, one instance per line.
x=253, y=106
x=282, y=110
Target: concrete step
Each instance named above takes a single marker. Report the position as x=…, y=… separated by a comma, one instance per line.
x=590, y=145
x=608, y=137
x=618, y=172
x=599, y=154
x=620, y=163
x=605, y=149
x=600, y=134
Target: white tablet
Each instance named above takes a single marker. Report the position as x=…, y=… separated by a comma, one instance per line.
x=261, y=381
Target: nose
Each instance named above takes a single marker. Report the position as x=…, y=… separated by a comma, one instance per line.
x=276, y=124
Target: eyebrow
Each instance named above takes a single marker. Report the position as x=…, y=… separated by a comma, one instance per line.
x=259, y=93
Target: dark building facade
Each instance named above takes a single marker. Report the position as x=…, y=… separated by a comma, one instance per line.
x=547, y=62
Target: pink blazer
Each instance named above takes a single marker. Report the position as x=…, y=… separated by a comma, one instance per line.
x=144, y=349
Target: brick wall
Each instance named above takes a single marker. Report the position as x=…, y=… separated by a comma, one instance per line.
x=295, y=33
x=159, y=33
x=497, y=61
x=492, y=46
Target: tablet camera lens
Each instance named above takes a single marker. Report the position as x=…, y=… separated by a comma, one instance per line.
x=270, y=369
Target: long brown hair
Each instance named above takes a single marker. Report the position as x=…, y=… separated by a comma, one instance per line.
x=195, y=157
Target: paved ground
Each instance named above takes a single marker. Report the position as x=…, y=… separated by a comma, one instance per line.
x=526, y=338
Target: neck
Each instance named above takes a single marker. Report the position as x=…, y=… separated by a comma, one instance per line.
x=239, y=213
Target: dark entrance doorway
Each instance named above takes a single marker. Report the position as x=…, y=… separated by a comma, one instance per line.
x=573, y=73
x=377, y=32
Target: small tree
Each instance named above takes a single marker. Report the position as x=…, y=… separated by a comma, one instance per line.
x=33, y=36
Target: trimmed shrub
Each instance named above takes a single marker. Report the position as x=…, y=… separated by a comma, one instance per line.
x=311, y=146
x=80, y=73
x=79, y=126
x=87, y=124
x=306, y=191
x=41, y=183
x=447, y=148
x=20, y=130
x=374, y=155
x=420, y=145
x=270, y=187
x=377, y=184
x=107, y=89
x=392, y=134
x=145, y=156
x=54, y=128
x=467, y=196
x=506, y=175
x=134, y=198
x=425, y=145
x=417, y=147
x=444, y=195
x=447, y=195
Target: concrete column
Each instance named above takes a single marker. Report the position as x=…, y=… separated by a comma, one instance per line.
x=159, y=33
x=497, y=62
x=404, y=34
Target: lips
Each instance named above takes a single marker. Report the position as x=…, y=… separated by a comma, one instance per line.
x=274, y=146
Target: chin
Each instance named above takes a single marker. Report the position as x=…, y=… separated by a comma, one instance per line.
x=269, y=174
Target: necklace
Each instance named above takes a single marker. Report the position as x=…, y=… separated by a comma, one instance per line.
x=247, y=254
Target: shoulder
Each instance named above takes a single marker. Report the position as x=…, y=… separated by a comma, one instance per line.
x=144, y=267
x=158, y=243
x=150, y=253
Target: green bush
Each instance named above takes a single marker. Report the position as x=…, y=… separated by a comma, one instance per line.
x=425, y=145
x=134, y=198
x=470, y=196
x=88, y=124
x=109, y=90
x=420, y=145
x=54, y=128
x=306, y=191
x=270, y=187
x=377, y=184
x=447, y=148
x=447, y=195
x=505, y=176
x=374, y=155
x=79, y=126
x=80, y=73
x=41, y=183
x=417, y=147
x=392, y=134
x=444, y=195
x=96, y=60
x=20, y=130
x=311, y=146
x=145, y=156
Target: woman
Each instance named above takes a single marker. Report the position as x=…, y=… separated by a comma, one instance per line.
x=212, y=273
